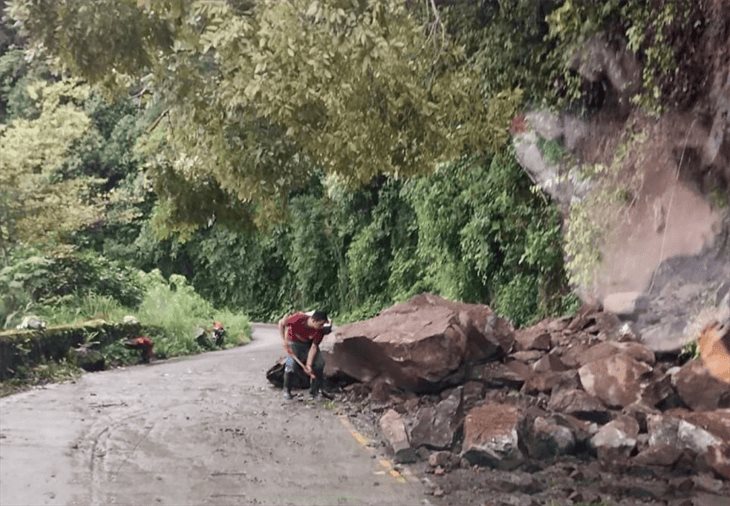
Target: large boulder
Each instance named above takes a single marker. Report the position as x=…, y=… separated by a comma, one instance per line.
x=419, y=345
x=491, y=436
x=615, y=380
x=393, y=428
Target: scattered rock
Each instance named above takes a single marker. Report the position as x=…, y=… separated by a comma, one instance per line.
x=532, y=338
x=394, y=430
x=549, y=363
x=380, y=391
x=491, y=436
x=626, y=304
x=615, y=380
x=579, y=404
x=31, y=323
x=547, y=381
x=527, y=356
x=439, y=459
x=669, y=434
x=615, y=441
x=87, y=359
x=435, y=426
x=496, y=374
x=472, y=393
x=699, y=389
x=545, y=439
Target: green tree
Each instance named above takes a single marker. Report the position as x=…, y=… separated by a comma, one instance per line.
x=258, y=95
x=38, y=204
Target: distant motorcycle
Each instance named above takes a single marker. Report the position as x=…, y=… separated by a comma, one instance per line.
x=211, y=339
x=219, y=334
x=143, y=344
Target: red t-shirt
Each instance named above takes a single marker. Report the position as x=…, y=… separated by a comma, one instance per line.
x=298, y=330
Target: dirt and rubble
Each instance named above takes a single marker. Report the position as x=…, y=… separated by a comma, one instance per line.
x=569, y=411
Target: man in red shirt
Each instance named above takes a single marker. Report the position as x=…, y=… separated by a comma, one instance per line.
x=302, y=333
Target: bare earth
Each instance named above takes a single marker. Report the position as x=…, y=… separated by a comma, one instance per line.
x=201, y=430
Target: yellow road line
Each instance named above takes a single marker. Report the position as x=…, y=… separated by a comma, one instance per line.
x=365, y=443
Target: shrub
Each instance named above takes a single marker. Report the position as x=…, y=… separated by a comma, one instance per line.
x=177, y=310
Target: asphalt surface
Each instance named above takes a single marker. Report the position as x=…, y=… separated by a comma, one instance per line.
x=202, y=430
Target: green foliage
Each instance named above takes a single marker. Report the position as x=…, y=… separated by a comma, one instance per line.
x=252, y=98
x=47, y=278
x=37, y=203
x=691, y=350
x=72, y=309
x=507, y=43
x=237, y=325
x=657, y=32
x=473, y=231
x=552, y=150
x=178, y=310
x=484, y=236
x=116, y=355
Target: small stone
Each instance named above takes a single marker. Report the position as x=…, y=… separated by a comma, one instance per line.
x=437, y=459
x=707, y=483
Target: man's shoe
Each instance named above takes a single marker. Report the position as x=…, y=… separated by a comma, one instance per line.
x=287, y=395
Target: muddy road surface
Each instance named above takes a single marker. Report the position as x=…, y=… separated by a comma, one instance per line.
x=196, y=431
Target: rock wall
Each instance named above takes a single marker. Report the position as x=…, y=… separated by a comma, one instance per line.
x=667, y=263
x=27, y=348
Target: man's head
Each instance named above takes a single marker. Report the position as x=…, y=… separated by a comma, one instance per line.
x=317, y=320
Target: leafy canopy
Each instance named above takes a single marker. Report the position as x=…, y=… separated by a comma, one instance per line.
x=38, y=203
x=257, y=96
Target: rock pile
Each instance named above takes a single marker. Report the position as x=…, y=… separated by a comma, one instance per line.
x=455, y=384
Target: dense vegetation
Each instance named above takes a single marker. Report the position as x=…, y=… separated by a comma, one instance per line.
x=344, y=154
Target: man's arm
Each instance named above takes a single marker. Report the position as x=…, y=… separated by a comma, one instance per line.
x=282, y=331
x=310, y=356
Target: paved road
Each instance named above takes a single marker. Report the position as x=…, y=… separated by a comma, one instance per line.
x=203, y=430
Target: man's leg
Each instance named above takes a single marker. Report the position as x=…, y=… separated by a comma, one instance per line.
x=289, y=371
x=292, y=368
x=318, y=370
